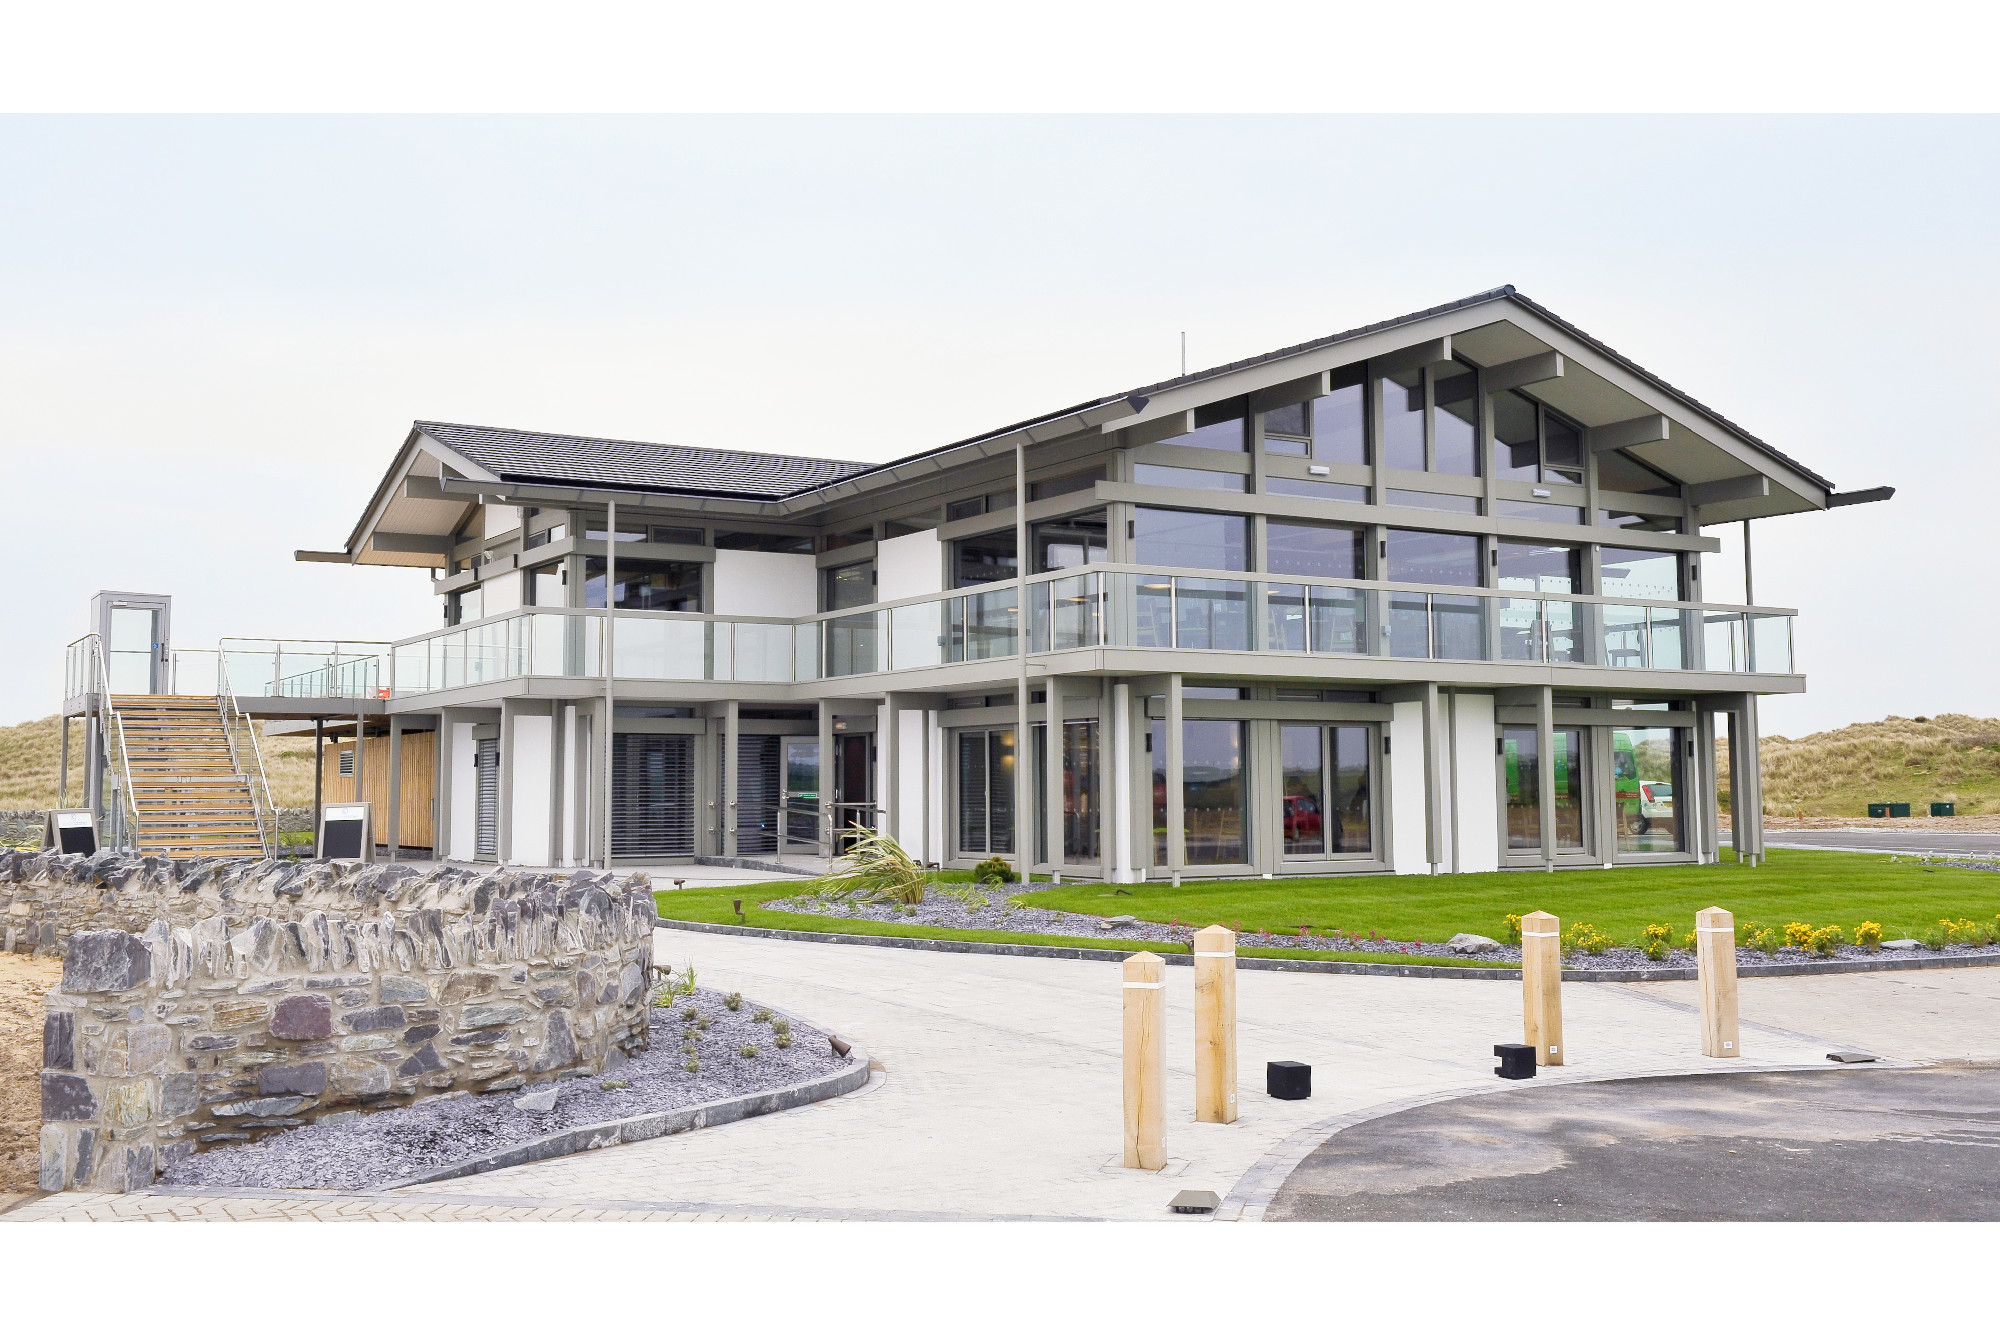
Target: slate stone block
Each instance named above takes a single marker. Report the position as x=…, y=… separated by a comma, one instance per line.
x=304, y=1078
x=419, y=1033
x=210, y=1042
x=269, y=1107
x=302, y=1019
x=558, y=1045
x=404, y=989
x=106, y=962
x=479, y=1038
x=487, y=1017
x=59, y=1041
x=382, y=1017
x=67, y=1098
x=180, y=1094
x=241, y=1014
x=424, y=1060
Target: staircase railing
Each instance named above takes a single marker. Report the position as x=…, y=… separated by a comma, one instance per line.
x=123, y=812
x=234, y=721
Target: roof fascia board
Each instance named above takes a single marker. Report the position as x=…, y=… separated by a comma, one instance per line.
x=1711, y=428
x=392, y=480
x=1647, y=430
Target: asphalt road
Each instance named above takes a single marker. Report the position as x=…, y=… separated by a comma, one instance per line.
x=1853, y=1143
x=1889, y=840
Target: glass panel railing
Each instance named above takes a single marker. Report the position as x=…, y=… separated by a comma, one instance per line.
x=1338, y=621
x=1666, y=640
x=916, y=635
x=1722, y=642
x=649, y=649
x=1770, y=642
x=1458, y=626
x=805, y=650
x=1561, y=640
x=851, y=644
x=1409, y=628
x=760, y=651
x=1153, y=610
x=1624, y=635
x=982, y=625
x=1068, y=613
x=1520, y=623
x=1212, y=614
x=1285, y=618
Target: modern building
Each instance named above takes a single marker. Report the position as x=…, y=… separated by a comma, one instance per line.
x=1421, y=597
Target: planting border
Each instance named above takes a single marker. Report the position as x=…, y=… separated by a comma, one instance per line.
x=953, y=946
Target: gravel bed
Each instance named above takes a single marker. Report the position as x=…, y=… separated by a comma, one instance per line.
x=940, y=911
x=401, y=1142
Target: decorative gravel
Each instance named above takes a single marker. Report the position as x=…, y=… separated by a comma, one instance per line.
x=396, y=1143
x=939, y=910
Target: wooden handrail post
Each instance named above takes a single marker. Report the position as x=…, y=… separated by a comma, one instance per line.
x=1541, y=987
x=1715, y=968
x=1145, y=1062
x=1215, y=1025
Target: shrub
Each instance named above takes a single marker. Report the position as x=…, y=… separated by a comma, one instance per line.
x=760, y=1016
x=703, y=1023
x=995, y=871
x=1798, y=934
x=1583, y=937
x=691, y=1065
x=1869, y=936
x=1938, y=937
x=747, y=1050
x=1758, y=937
x=1826, y=940
x=878, y=868
x=1655, y=940
x=734, y=1001
x=1513, y=921
x=1688, y=940
x=1966, y=932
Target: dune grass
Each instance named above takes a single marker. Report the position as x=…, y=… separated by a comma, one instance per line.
x=1944, y=758
x=31, y=761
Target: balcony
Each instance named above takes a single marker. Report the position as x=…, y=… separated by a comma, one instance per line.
x=1104, y=607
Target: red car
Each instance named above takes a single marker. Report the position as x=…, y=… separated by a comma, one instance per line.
x=1302, y=818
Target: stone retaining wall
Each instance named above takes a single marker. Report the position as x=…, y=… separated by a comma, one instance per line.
x=230, y=1000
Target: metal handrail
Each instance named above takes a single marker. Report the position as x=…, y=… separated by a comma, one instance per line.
x=260, y=784
x=125, y=832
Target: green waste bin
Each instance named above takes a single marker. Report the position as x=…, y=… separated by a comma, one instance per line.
x=1877, y=810
x=1899, y=808
x=1944, y=808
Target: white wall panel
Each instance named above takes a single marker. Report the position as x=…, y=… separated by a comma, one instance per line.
x=909, y=566
x=464, y=793
x=1476, y=794
x=1406, y=790
x=766, y=584
x=533, y=738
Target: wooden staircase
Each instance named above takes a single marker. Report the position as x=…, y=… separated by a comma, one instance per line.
x=188, y=797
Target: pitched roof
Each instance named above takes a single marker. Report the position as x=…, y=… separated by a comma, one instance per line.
x=539, y=456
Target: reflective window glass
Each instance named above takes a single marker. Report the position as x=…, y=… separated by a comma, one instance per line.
x=1286, y=430
x=1340, y=420
x=1190, y=539
x=1517, y=439
x=1456, y=437
x=1646, y=766
x=1077, y=540
x=848, y=586
x=1301, y=751
x=1202, y=479
x=1562, y=450
x=1217, y=426
x=1418, y=556
x=1540, y=567
x=1325, y=491
x=1633, y=573
x=1403, y=421
x=1431, y=500
x=646, y=586
x=982, y=559
x=1314, y=549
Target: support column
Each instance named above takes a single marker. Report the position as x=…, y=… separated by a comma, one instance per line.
x=1752, y=818
x=1736, y=796
x=1120, y=720
x=1052, y=807
x=319, y=777
x=1215, y=1025
x=725, y=806
x=1706, y=810
x=608, y=720
x=505, y=844
x=558, y=740
x=393, y=824
x=889, y=759
x=1176, y=790
x=929, y=854
x=62, y=782
x=440, y=790
x=1435, y=796
x=1545, y=773
x=360, y=766
x=825, y=779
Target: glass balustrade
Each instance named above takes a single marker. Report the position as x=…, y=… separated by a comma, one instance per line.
x=1200, y=612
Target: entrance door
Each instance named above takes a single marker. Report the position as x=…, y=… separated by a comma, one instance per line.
x=985, y=791
x=131, y=656
x=652, y=795
x=486, y=799
x=801, y=797
x=854, y=784
x=1080, y=825
x=1521, y=775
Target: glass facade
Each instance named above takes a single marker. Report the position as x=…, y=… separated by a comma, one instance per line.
x=1646, y=767
x=847, y=586
x=1419, y=556
x=1403, y=421
x=1068, y=543
x=1190, y=539
x=1201, y=479
x=1217, y=426
x=986, y=791
x=1540, y=567
x=1327, y=802
x=1627, y=572
x=1214, y=798
x=1325, y=550
x=982, y=559
x=643, y=586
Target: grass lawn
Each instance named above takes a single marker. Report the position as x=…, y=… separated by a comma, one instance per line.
x=1820, y=888
x=716, y=905
x=1903, y=895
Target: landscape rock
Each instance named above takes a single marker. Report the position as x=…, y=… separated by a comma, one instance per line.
x=542, y=1098
x=1466, y=943
x=1904, y=943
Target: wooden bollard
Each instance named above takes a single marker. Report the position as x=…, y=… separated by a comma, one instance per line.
x=1145, y=1062
x=1715, y=969
x=1215, y=1025
x=1541, y=987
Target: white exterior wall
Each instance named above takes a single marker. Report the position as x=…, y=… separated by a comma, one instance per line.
x=910, y=740
x=766, y=584
x=909, y=566
x=533, y=738
x=464, y=793
x=1476, y=793
x=1408, y=842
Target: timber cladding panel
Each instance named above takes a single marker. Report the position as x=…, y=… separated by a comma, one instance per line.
x=419, y=783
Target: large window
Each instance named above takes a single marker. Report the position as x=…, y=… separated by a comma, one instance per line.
x=1199, y=479
x=1190, y=540
x=1326, y=550
x=1065, y=544
x=982, y=559
x=1419, y=556
x=1539, y=567
x=1532, y=444
x=1326, y=789
x=986, y=791
x=1080, y=822
x=1646, y=763
x=545, y=585
x=1521, y=760
x=1332, y=427
x=1213, y=796
x=1628, y=572
x=1218, y=426
x=646, y=586
x=847, y=586
x=1451, y=446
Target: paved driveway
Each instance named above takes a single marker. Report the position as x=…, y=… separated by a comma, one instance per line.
x=1889, y=839
x=1865, y=1144
x=999, y=1092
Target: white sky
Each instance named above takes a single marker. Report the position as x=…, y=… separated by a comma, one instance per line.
x=214, y=333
